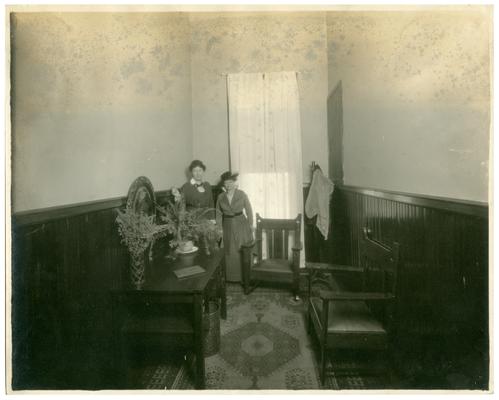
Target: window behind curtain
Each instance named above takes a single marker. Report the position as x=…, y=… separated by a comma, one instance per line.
x=265, y=141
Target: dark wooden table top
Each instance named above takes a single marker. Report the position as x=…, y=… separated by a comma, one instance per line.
x=161, y=278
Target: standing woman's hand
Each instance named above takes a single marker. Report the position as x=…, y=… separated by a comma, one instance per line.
x=176, y=194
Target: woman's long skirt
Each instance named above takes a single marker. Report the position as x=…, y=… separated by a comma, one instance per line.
x=236, y=232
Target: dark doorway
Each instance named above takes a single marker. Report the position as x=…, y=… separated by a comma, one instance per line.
x=335, y=134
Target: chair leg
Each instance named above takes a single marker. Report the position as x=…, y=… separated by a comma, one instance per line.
x=296, y=288
x=250, y=287
x=246, y=280
x=246, y=286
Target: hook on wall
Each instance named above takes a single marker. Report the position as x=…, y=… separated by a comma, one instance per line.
x=315, y=166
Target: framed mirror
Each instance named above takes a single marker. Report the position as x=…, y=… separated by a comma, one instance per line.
x=141, y=196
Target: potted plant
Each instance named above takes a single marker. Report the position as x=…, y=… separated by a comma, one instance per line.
x=187, y=226
x=138, y=232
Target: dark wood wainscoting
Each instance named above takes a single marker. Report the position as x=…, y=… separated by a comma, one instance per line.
x=64, y=262
x=62, y=271
x=443, y=299
x=66, y=259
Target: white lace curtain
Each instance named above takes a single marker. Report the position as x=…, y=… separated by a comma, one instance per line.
x=265, y=141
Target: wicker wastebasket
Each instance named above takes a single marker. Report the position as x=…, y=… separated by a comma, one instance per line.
x=212, y=329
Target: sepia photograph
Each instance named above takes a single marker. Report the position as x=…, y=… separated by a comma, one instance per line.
x=249, y=198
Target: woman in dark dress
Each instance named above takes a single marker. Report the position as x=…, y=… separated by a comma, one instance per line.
x=235, y=215
x=197, y=193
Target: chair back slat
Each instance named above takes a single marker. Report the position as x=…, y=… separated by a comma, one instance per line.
x=285, y=242
x=275, y=243
x=380, y=263
x=276, y=233
x=270, y=241
x=287, y=224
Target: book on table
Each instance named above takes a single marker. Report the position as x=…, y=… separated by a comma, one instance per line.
x=187, y=272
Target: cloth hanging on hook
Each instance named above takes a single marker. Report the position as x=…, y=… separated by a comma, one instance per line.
x=317, y=202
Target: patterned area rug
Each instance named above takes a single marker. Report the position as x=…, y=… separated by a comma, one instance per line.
x=264, y=345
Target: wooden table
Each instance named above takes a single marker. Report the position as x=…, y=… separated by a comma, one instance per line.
x=161, y=281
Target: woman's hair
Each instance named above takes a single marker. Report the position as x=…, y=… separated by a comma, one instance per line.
x=197, y=163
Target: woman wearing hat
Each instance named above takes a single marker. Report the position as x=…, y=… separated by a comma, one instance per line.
x=236, y=225
x=197, y=193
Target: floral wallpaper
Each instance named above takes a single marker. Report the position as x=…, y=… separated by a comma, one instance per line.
x=101, y=98
x=98, y=99
x=416, y=99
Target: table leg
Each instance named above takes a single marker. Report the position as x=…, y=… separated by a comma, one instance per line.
x=198, y=341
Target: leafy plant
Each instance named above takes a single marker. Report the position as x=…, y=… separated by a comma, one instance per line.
x=138, y=232
x=185, y=224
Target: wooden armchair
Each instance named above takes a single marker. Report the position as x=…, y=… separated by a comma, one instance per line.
x=357, y=320
x=277, y=266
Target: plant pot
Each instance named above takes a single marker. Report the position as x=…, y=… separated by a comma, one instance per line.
x=187, y=258
x=186, y=247
x=212, y=329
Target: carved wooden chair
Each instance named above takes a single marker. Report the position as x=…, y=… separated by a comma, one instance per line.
x=278, y=265
x=357, y=320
